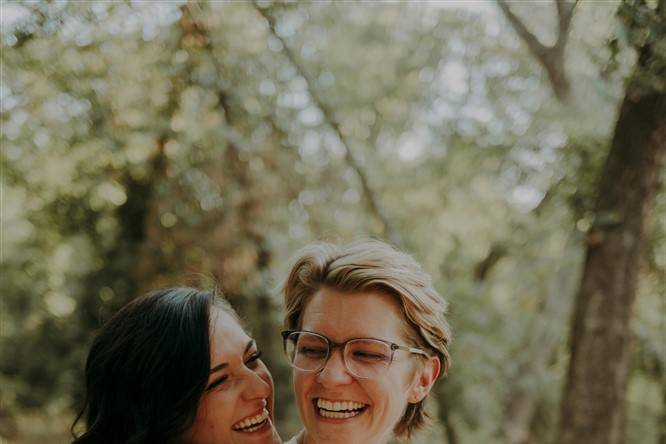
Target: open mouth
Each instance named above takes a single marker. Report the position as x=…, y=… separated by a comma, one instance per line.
x=338, y=409
x=252, y=423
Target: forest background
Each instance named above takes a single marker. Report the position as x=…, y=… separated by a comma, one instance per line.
x=513, y=148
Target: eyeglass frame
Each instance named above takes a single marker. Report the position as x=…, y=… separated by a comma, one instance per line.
x=332, y=345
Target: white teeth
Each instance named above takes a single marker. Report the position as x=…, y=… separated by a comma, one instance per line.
x=339, y=407
x=253, y=423
x=338, y=415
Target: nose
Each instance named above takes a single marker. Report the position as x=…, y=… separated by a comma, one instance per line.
x=334, y=372
x=257, y=386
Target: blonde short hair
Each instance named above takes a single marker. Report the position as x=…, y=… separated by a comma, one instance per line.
x=372, y=265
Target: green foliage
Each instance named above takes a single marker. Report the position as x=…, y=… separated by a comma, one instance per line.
x=645, y=30
x=147, y=144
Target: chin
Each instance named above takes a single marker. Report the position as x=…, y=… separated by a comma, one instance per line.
x=338, y=434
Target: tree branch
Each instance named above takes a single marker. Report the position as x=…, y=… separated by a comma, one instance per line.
x=370, y=197
x=551, y=58
x=564, y=14
x=537, y=49
x=483, y=268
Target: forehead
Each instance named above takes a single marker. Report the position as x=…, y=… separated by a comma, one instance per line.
x=227, y=338
x=342, y=315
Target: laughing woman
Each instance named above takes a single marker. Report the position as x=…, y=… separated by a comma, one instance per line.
x=175, y=366
x=367, y=339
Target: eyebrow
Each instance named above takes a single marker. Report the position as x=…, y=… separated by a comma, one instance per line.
x=219, y=367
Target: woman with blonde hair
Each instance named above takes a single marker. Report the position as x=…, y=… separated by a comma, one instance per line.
x=367, y=338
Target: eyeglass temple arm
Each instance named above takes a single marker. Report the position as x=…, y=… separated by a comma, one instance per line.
x=417, y=351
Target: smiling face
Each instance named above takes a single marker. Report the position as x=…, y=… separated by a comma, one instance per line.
x=237, y=407
x=337, y=407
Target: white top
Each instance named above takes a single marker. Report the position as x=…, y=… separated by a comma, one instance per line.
x=298, y=438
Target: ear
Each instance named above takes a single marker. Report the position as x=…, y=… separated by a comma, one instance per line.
x=424, y=379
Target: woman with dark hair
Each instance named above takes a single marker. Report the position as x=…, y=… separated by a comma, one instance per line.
x=175, y=366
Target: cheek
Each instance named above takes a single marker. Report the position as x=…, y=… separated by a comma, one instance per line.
x=298, y=382
x=207, y=420
x=395, y=388
x=219, y=408
x=302, y=383
x=411, y=374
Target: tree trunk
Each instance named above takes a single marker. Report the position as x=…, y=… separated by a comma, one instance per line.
x=592, y=409
x=121, y=261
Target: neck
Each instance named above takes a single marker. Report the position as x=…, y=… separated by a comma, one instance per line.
x=304, y=438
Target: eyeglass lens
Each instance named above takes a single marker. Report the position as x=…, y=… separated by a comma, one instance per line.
x=364, y=358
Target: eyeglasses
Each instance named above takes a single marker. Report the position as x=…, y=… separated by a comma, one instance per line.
x=365, y=358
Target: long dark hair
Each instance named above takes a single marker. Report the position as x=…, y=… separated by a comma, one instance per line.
x=148, y=368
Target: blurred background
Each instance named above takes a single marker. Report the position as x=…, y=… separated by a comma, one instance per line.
x=151, y=144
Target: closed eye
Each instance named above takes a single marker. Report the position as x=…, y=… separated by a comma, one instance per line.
x=217, y=382
x=252, y=361
x=368, y=356
x=312, y=352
